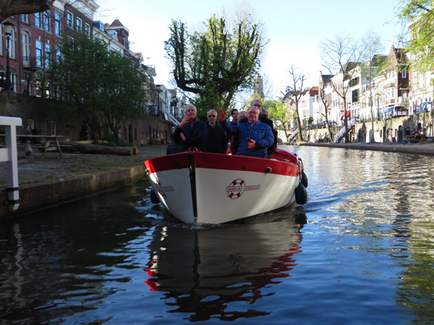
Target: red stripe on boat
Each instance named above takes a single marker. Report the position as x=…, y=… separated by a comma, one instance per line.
x=228, y=162
x=169, y=162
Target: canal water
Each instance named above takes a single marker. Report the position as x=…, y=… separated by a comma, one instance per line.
x=360, y=251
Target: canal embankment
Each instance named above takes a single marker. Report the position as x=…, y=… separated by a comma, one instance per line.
x=53, y=180
x=426, y=148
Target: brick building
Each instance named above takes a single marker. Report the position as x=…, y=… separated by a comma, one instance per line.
x=34, y=38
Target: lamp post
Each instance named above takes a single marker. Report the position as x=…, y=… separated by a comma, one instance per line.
x=8, y=28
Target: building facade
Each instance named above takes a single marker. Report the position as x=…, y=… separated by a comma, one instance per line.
x=34, y=39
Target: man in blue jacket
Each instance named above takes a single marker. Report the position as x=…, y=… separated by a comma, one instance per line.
x=190, y=133
x=254, y=136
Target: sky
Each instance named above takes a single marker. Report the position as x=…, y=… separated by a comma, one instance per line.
x=295, y=29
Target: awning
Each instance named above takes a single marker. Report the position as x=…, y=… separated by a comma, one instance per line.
x=348, y=115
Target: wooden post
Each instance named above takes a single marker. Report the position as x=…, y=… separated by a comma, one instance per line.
x=10, y=155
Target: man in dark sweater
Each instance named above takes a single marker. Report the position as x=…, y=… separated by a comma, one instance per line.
x=217, y=140
x=191, y=133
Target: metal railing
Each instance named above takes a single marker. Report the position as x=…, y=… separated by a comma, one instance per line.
x=338, y=137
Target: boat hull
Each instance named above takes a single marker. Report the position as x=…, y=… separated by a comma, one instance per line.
x=198, y=187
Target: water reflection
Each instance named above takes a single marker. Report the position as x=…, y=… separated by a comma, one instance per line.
x=366, y=255
x=57, y=262
x=202, y=272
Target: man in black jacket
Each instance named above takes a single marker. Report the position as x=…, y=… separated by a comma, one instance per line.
x=217, y=140
x=191, y=133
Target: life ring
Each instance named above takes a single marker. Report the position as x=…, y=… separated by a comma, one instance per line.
x=300, y=194
x=154, y=197
x=304, y=180
x=235, y=189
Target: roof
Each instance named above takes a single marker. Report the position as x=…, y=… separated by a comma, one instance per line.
x=116, y=23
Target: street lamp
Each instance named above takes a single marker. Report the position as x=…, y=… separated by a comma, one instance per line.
x=8, y=28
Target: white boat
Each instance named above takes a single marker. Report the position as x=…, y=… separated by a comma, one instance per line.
x=198, y=187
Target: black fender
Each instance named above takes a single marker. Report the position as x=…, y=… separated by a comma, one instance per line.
x=300, y=194
x=154, y=197
x=304, y=179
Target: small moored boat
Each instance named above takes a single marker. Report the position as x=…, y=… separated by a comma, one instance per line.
x=200, y=187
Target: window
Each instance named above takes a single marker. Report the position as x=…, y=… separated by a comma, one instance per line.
x=58, y=55
x=38, y=20
x=69, y=19
x=57, y=23
x=355, y=96
x=12, y=53
x=52, y=127
x=25, y=39
x=87, y=30
x=47, y=21
x=30, y=124
x=390, y=93
x=78, y=25
x=38, y=53
x=25, y=18
x=404, y=73
x=47, y=55
x=354, y=81
x=13, y=81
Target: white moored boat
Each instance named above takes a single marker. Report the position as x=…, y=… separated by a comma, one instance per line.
x=199, y=187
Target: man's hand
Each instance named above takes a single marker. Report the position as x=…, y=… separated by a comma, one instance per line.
x=251, y=143
x=184, y=121
x=221, y=115
x=182, y=137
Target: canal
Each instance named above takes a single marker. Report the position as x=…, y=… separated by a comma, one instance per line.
x=361, y=251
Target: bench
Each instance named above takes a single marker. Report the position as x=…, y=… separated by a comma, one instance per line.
x=48, y=146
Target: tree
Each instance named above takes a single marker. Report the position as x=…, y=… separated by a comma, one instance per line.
x=295, y=92
x=420, y=15
x=279, y=112
x=342, y=56
x=217, y=63
x=373, y=64
x=15, y=7
x=97, y=86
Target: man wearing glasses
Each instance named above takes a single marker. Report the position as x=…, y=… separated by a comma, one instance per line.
x=216, y=140
x=263, y=117
x=254, y=137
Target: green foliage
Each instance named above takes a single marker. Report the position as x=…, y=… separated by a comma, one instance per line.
x=217, y=63
x=97, y=86
x=420, y=14
x=279, y=112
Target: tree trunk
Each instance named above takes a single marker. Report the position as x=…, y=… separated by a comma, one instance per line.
x=372, y=138
x=347, y=139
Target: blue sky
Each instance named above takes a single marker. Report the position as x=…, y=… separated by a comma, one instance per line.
x=295, y=29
